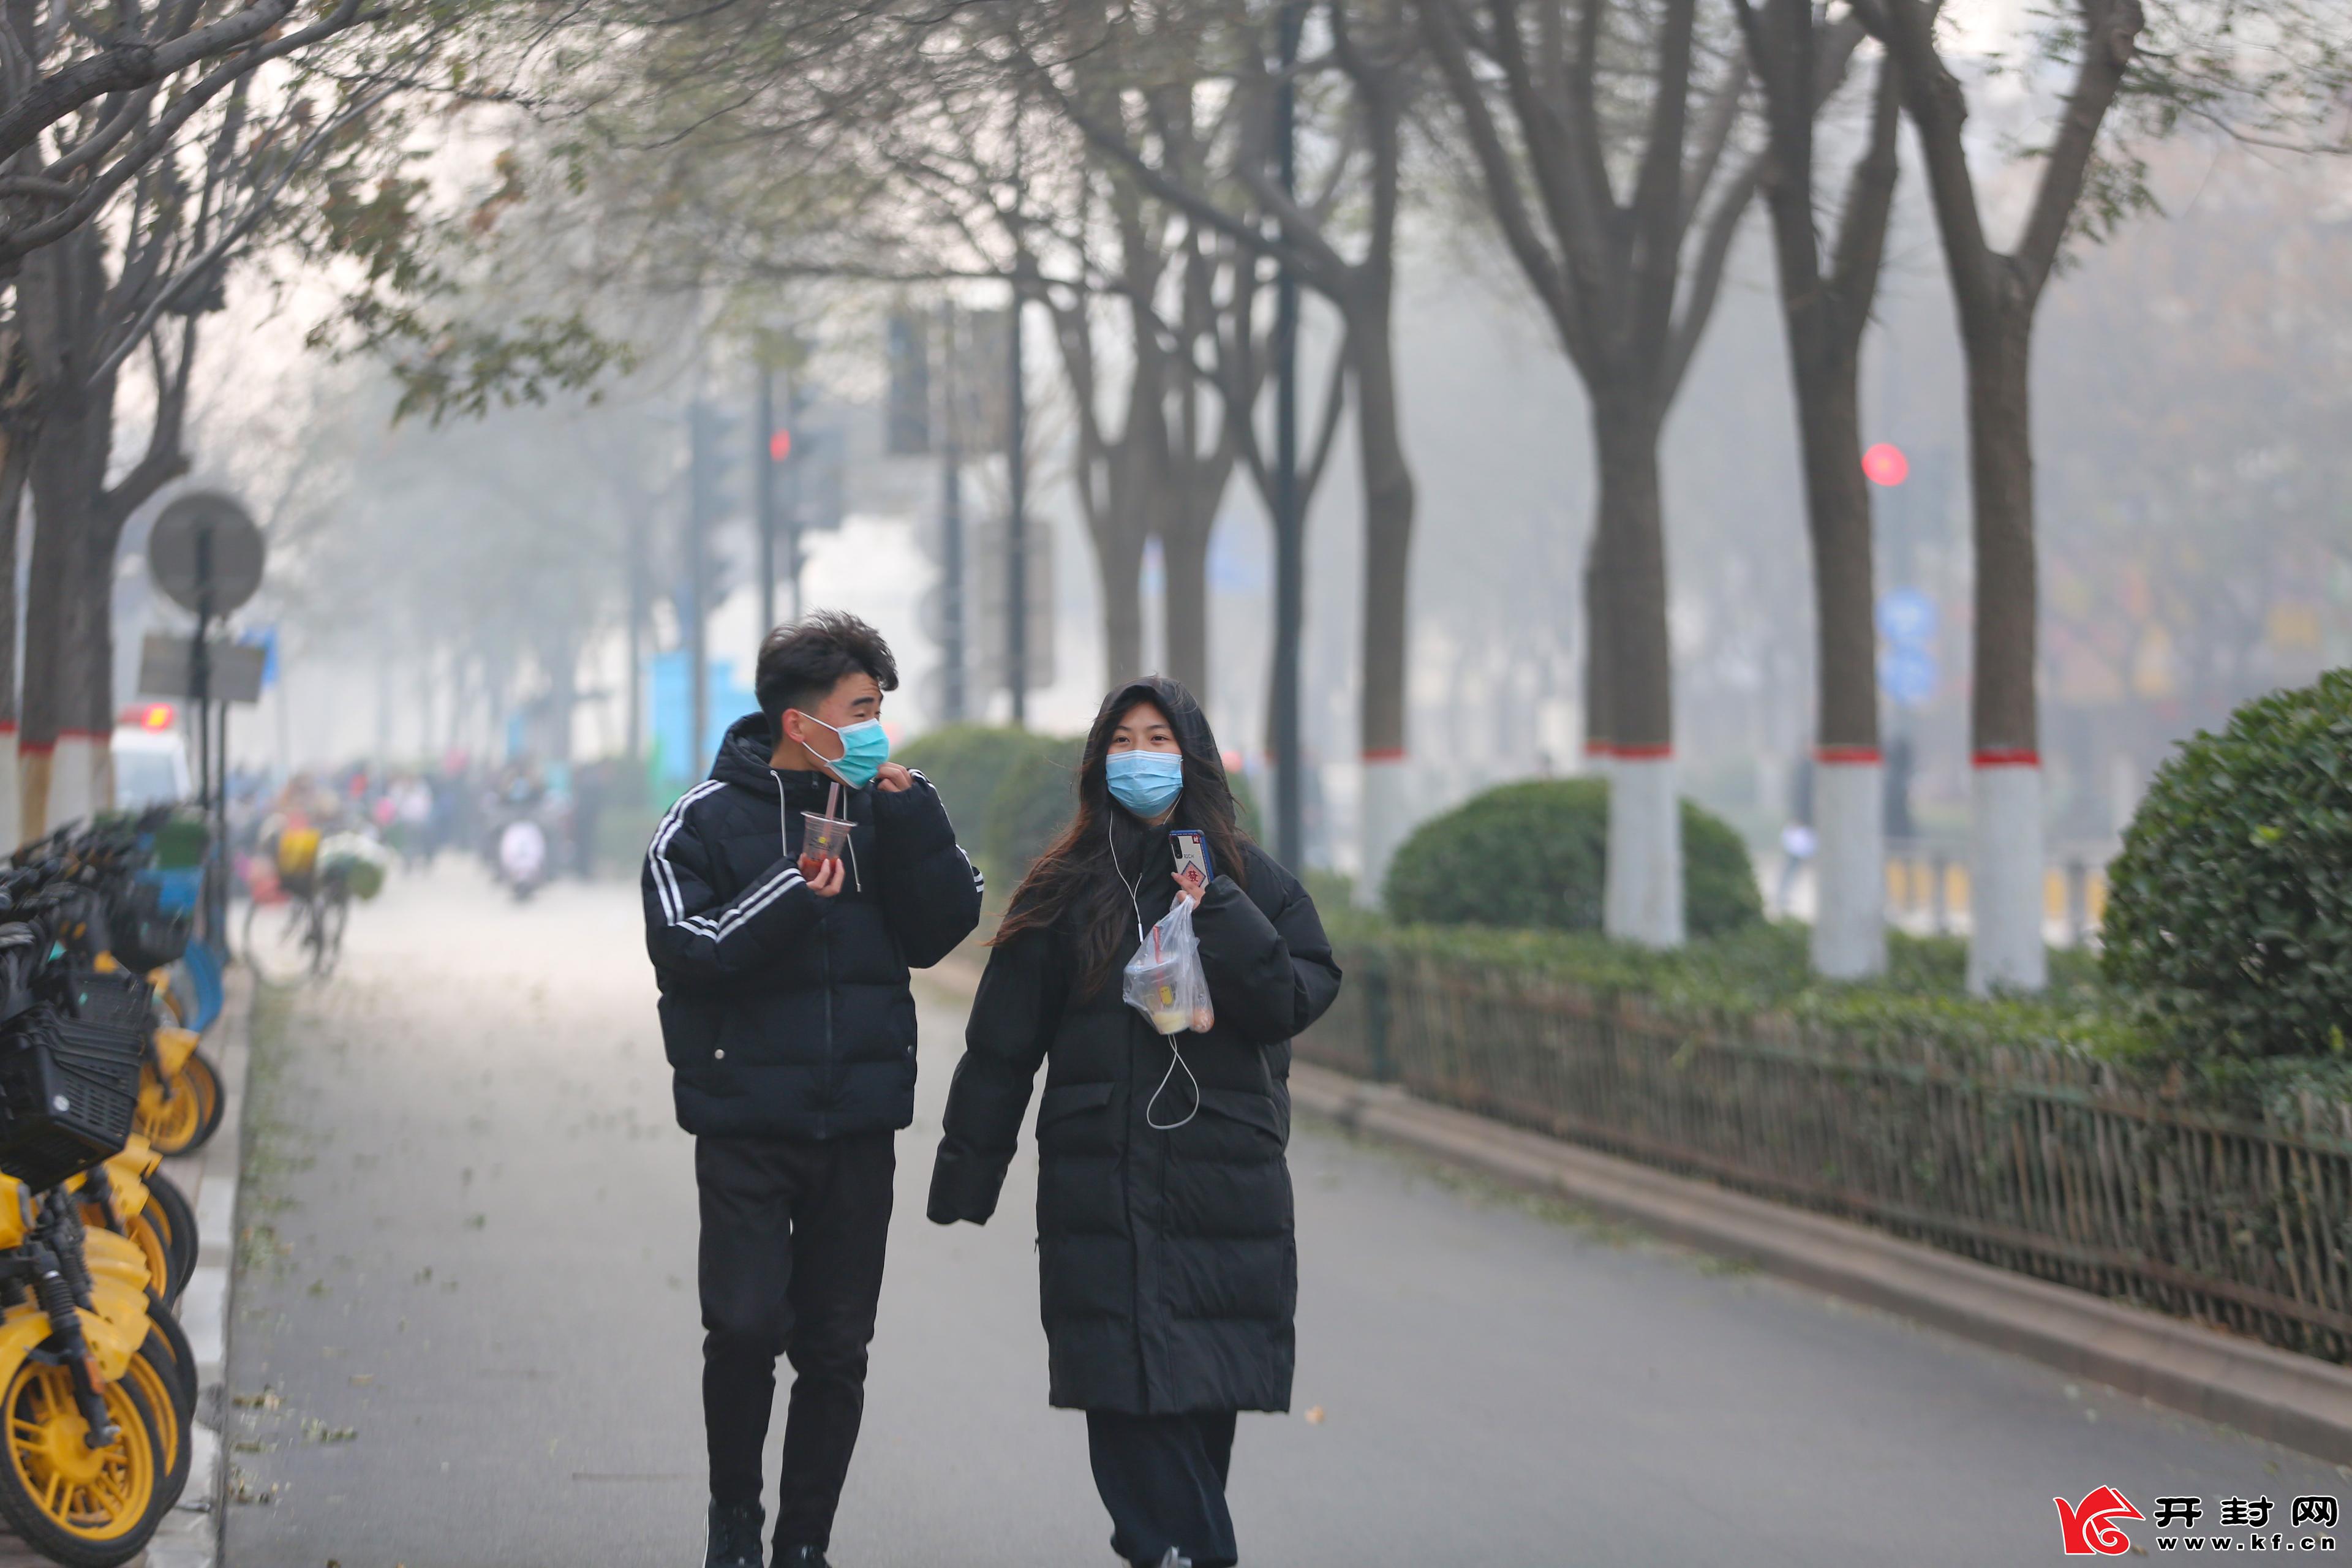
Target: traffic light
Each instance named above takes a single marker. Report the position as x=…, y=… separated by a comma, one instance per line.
x=907, y=413
x=714, y=456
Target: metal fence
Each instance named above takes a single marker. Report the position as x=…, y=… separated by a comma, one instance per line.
x=2038, y=1161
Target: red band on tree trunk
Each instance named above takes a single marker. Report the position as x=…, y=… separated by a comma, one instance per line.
x=1385, y=755
x=1643, y=753
x=2009, y=757
x=1847, y=756
x=37, y=748
x=1598, y=748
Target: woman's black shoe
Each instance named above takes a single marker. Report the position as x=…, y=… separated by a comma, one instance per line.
x=802, y=1557
x=734, y=1537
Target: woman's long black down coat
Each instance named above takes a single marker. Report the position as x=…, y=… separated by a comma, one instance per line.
x=1168, y=1260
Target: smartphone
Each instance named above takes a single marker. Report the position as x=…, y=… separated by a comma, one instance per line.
x=1192, y=863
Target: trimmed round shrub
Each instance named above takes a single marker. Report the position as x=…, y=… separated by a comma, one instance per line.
x=1535, y=854
x=1034, y=800
x=966, y=762
x=2229, y=918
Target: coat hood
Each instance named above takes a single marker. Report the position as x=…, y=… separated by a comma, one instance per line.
x=1172, y=699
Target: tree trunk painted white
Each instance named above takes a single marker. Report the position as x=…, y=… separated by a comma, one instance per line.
x=1850, y=827
x=1643, y=899
x=1386, y=807
x=2005, y=949
x=12, y=810
x=73, y=779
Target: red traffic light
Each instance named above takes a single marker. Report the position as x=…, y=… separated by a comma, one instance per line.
x=1884, y=464
x=780, y=446
x=148, y=716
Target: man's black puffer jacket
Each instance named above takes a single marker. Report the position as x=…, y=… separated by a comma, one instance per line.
x=785, y=1013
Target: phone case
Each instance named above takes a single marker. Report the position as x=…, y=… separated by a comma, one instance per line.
x=1191, y=848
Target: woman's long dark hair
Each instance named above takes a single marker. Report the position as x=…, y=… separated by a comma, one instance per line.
x=1074, y=875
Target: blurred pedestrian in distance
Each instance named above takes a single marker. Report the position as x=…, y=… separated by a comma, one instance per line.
x=1798, y=844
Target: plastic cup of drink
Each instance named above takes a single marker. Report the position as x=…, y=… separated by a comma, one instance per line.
x=1160, y=989
x=823, y=836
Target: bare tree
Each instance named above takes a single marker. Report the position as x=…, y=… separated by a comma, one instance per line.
x=1549, y=95
x=1796, y=53
x=1360, y=89
x=86, y=108
x=2278, y=73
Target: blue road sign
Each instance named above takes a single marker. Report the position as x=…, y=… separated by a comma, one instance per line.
x=1907, y=617
x=1907, y=675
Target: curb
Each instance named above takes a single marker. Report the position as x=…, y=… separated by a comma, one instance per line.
x=190, y=1536
x=2294, y=1400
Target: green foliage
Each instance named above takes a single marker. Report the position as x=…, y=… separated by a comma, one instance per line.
x=2228, y=913
x=965, y=762
x=1535, y=854
x=1008, y=791
x=1762, y=969
x=1034, y=802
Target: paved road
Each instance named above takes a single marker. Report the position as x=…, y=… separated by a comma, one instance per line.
x=465, y=1334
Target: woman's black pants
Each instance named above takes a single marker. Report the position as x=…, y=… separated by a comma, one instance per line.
x=1163, y=1479
x=793, y=1238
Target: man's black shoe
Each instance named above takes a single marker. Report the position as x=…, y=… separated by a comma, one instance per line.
x=734, y=1539
x=801, y=1557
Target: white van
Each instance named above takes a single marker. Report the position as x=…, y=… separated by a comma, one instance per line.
x=150, y=759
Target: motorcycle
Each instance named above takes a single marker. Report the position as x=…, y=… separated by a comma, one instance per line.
x=522, y=857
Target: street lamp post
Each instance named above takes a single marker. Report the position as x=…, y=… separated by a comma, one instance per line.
x=763, y=503
x=951, y=587
x=1289, y=554
x=1017, y=541
x=698, y=505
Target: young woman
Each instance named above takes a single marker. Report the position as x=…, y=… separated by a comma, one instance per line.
x=1164, y=1239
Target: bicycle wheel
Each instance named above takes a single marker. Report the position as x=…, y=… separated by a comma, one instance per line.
x=170, y=1116
x=276, y=941
x=86, y=1508
x=156, y=1374
x=191, y=1109
x=334, y=914
x=173, y=1215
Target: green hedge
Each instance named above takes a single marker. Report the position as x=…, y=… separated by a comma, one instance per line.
x=2229, y=910
x=1008, y=791
x=1535, y=854
x=1764, y=970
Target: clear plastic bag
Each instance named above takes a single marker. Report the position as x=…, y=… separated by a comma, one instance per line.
x=1164, y=981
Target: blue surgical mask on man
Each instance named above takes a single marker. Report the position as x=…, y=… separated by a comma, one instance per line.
x=1146, y=783
x=863, y=749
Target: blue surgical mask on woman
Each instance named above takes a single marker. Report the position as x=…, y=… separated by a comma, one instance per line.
x=863, y=749
x=1146, y=783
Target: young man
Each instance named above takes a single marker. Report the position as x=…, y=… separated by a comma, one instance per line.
x=791, y=1032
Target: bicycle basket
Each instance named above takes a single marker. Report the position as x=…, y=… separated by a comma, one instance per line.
x=119, y=998
x=67, y=1092
x=146, y=933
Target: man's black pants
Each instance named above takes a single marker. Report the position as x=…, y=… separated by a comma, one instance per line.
x=793, y=1237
